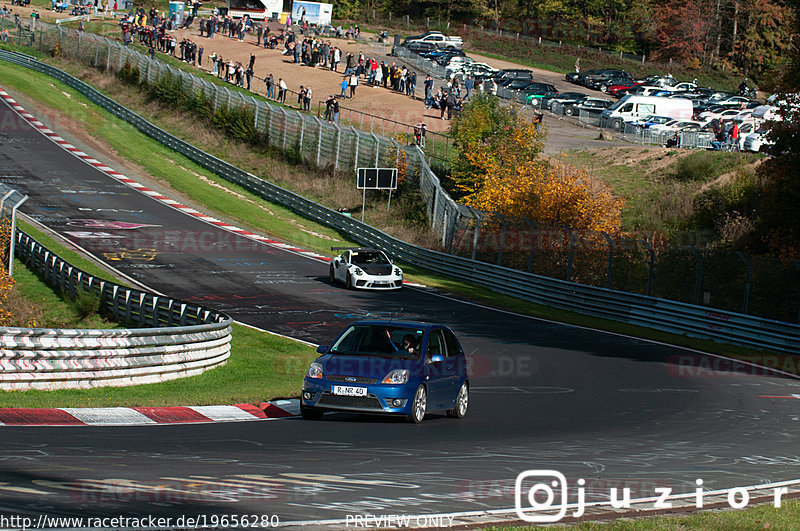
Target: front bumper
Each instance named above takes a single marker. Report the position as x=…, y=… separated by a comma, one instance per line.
x=380, y=399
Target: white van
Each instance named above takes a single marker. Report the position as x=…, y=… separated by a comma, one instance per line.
x=632, y=107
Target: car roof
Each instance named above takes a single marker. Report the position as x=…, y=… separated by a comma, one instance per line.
x=393, y=322
x=355, y=249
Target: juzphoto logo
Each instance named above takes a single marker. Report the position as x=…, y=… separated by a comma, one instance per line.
x=537, y=493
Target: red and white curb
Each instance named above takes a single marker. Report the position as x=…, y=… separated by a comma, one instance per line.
x=137, y=416
x=47, y=132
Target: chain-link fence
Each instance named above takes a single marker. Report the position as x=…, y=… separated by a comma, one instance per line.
x=715, y=279
x=343, y=148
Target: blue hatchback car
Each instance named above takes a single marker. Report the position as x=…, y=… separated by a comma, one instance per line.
x=389, y=368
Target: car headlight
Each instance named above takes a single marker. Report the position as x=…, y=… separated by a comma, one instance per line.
x=358, y=271
x=398, y=272
x=315, y=370
x=396, y=377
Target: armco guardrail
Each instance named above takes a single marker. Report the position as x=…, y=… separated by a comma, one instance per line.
x=661, y=314
x=180, y=340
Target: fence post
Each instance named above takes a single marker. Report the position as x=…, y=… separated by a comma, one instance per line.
x=749, y=274
x=302, y=131
x=285, y=126
x=338, y=145
x=358, y=138
x=377, y=150
x=477, y=232
x=319, y=139
x=255, y=113
x=610, y=258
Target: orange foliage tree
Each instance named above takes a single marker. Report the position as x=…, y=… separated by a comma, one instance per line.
x=504, y=172
x=6, y=282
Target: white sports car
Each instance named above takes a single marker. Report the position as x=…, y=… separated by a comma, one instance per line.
x=365, y=268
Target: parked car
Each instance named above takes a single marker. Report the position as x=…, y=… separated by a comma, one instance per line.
x=439, y=39
x=365, y=268
x=676, y=125
x=623, y=88
x=607, y=73
x=421, y=47
x=389, y=367
x=511, y=74
x=564, y=98
x=602, y=83
x=588, y=105
x=649, y=121
x=537, y=91
x=578, y=78
x=632, y=107
x=480, y=70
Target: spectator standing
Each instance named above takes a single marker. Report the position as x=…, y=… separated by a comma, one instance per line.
x=428, y=85
x=307, y=99
x=248, y=74
x=344, y=87
x=270, y=82
x=282, y=88
x=353, y=85
x=469, y=84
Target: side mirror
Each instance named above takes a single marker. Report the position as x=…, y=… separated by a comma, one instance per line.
x=437, y=358
x=322, y=349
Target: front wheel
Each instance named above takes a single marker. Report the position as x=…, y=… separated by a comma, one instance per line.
x=616, y=125
x=569, y=111
x=332, y=275
x=462, y=403
x=418, y=406
x=603, y=88
x=349, y=281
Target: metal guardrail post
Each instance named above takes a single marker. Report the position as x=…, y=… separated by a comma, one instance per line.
x=533, y=243
x=698, y=282
x=652, y=265
x=748, y=276
x=502, y=239
x=610, y=258
x=571, y=252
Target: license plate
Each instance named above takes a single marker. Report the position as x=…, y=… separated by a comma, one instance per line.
x=343, y=390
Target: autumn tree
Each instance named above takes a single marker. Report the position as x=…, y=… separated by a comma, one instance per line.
x=501, y=170
x=6, y=282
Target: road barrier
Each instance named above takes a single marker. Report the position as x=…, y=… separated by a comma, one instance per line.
x=175, y=339
x=640, y=310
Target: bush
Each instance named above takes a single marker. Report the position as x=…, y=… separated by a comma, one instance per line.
x=129, y=74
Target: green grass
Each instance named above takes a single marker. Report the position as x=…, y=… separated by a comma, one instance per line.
x=763, y=516
x=261, y=366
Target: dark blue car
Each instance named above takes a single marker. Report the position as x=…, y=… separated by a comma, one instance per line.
x=389, y=368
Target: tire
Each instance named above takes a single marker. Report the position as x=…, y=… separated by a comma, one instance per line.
x=462, y=403
x=332, y=275
x=418, y=405
x=616, y=124
x=310, y=414
x=349, y=281
x=603, y=88
x=569, y=111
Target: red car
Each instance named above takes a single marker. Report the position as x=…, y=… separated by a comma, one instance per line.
x=621, y=90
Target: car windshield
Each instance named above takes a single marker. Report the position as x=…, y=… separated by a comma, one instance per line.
x=369, y=257
x=379, y=340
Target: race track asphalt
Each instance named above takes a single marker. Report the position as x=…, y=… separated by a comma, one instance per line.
x=614, y=410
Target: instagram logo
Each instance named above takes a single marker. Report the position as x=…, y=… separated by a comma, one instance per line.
x=537, y=489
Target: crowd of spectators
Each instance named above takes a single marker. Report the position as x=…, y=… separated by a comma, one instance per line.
x=304, y=48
